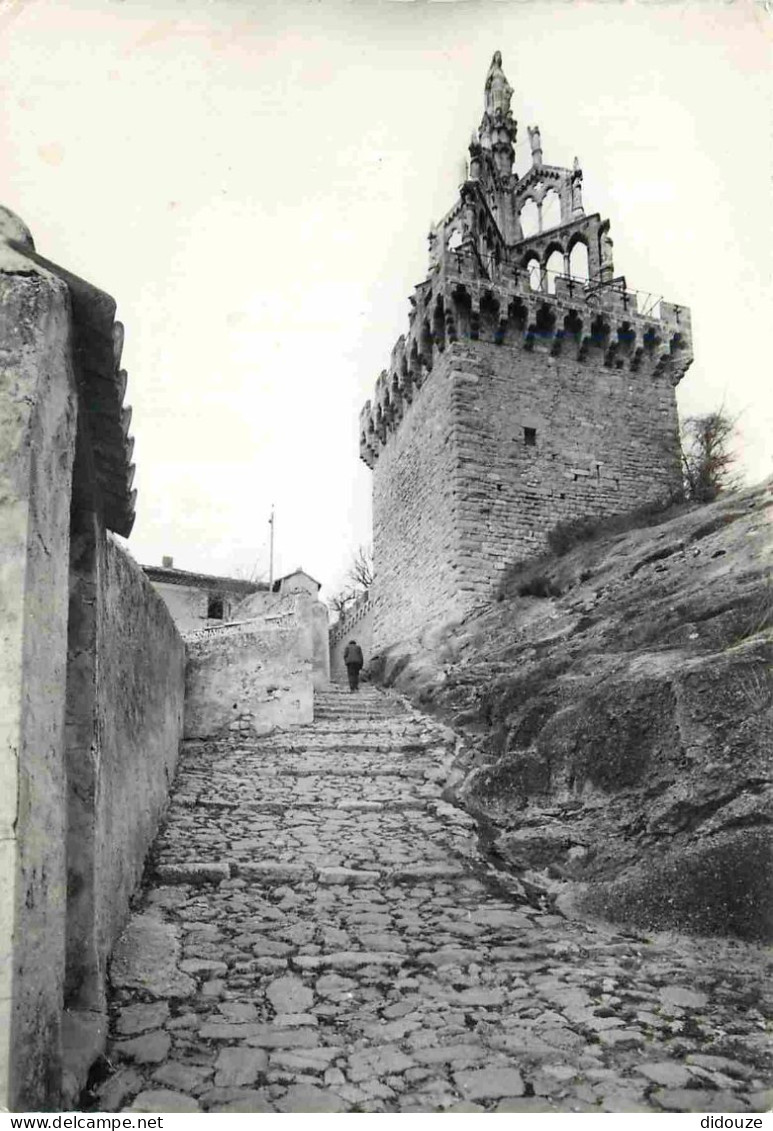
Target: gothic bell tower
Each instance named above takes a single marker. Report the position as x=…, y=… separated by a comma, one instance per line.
x=533, y=385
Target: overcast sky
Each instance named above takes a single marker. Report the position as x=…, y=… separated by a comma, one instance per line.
x=254, y=181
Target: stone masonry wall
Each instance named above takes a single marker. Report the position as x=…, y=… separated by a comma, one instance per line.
x=312, y=618
x=415, y=517
x=188, y=606
x=605, y=441
x=125, y=681
x=461, y=489
x=256, y=675
x=139, y=721
x=37, y=442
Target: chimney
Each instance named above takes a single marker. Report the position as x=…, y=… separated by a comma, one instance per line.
x=167, y=563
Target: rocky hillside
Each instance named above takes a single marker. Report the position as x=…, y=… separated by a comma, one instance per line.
x=616, y=735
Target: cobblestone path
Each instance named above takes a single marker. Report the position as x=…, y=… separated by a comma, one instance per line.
x=321, y=934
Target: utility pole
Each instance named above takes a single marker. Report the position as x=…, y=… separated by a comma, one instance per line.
x=271, y=552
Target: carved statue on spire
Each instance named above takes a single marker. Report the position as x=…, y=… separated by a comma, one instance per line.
x=498, y=91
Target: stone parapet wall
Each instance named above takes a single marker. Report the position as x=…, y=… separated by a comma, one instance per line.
x=312, y=618
x=255, y=674
x=125, y=681
x=355, y=624
x=141, y=673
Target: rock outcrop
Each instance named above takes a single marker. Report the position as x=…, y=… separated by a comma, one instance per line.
x=618, y=735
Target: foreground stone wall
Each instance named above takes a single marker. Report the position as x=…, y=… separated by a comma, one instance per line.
x=91, y=675
x=37, y=443
x=125, y=681
x=139, y=720
x=499, y=445
x=254, y=674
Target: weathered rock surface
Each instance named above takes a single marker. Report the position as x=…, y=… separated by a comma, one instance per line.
x=620, y=735
x=276, y=992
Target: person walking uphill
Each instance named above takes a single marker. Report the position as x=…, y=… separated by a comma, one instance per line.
x=354, y=661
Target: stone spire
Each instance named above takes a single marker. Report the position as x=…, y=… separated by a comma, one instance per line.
x=498, y=128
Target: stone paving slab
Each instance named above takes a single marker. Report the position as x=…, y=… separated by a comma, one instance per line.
x=319, y=933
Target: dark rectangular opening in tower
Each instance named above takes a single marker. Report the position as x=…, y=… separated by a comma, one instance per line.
x=215, y=608
x=530, y=437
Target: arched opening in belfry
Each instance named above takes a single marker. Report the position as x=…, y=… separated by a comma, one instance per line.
x=578, y=261
x=529, y=217
x=454, y=241
x=534, y=272
x=554, y=266
x=551, y=210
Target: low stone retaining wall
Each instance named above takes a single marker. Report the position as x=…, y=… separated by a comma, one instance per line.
x=255, y=674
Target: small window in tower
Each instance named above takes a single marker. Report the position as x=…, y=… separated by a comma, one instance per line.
x=215, y=608
x=530, y=437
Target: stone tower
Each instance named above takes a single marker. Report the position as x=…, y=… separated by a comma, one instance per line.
x=528, y=390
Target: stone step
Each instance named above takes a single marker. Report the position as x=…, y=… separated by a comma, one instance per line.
x=359, y=723
x=339, y=742
x=321, y=809
x=332, y=769
x=268, y=872
x=353, y=711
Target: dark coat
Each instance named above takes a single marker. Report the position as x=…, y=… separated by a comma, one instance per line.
x=353, y=655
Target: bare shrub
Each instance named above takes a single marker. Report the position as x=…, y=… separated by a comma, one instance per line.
x=528, y=578
x=566, y=535
x=707, y=456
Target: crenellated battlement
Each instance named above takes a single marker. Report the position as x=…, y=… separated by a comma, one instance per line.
x=466, y=297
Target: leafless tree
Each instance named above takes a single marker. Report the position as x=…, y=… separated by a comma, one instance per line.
x=707, y=455
x=359, y=579
x=340, y=601
x=361, y=572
